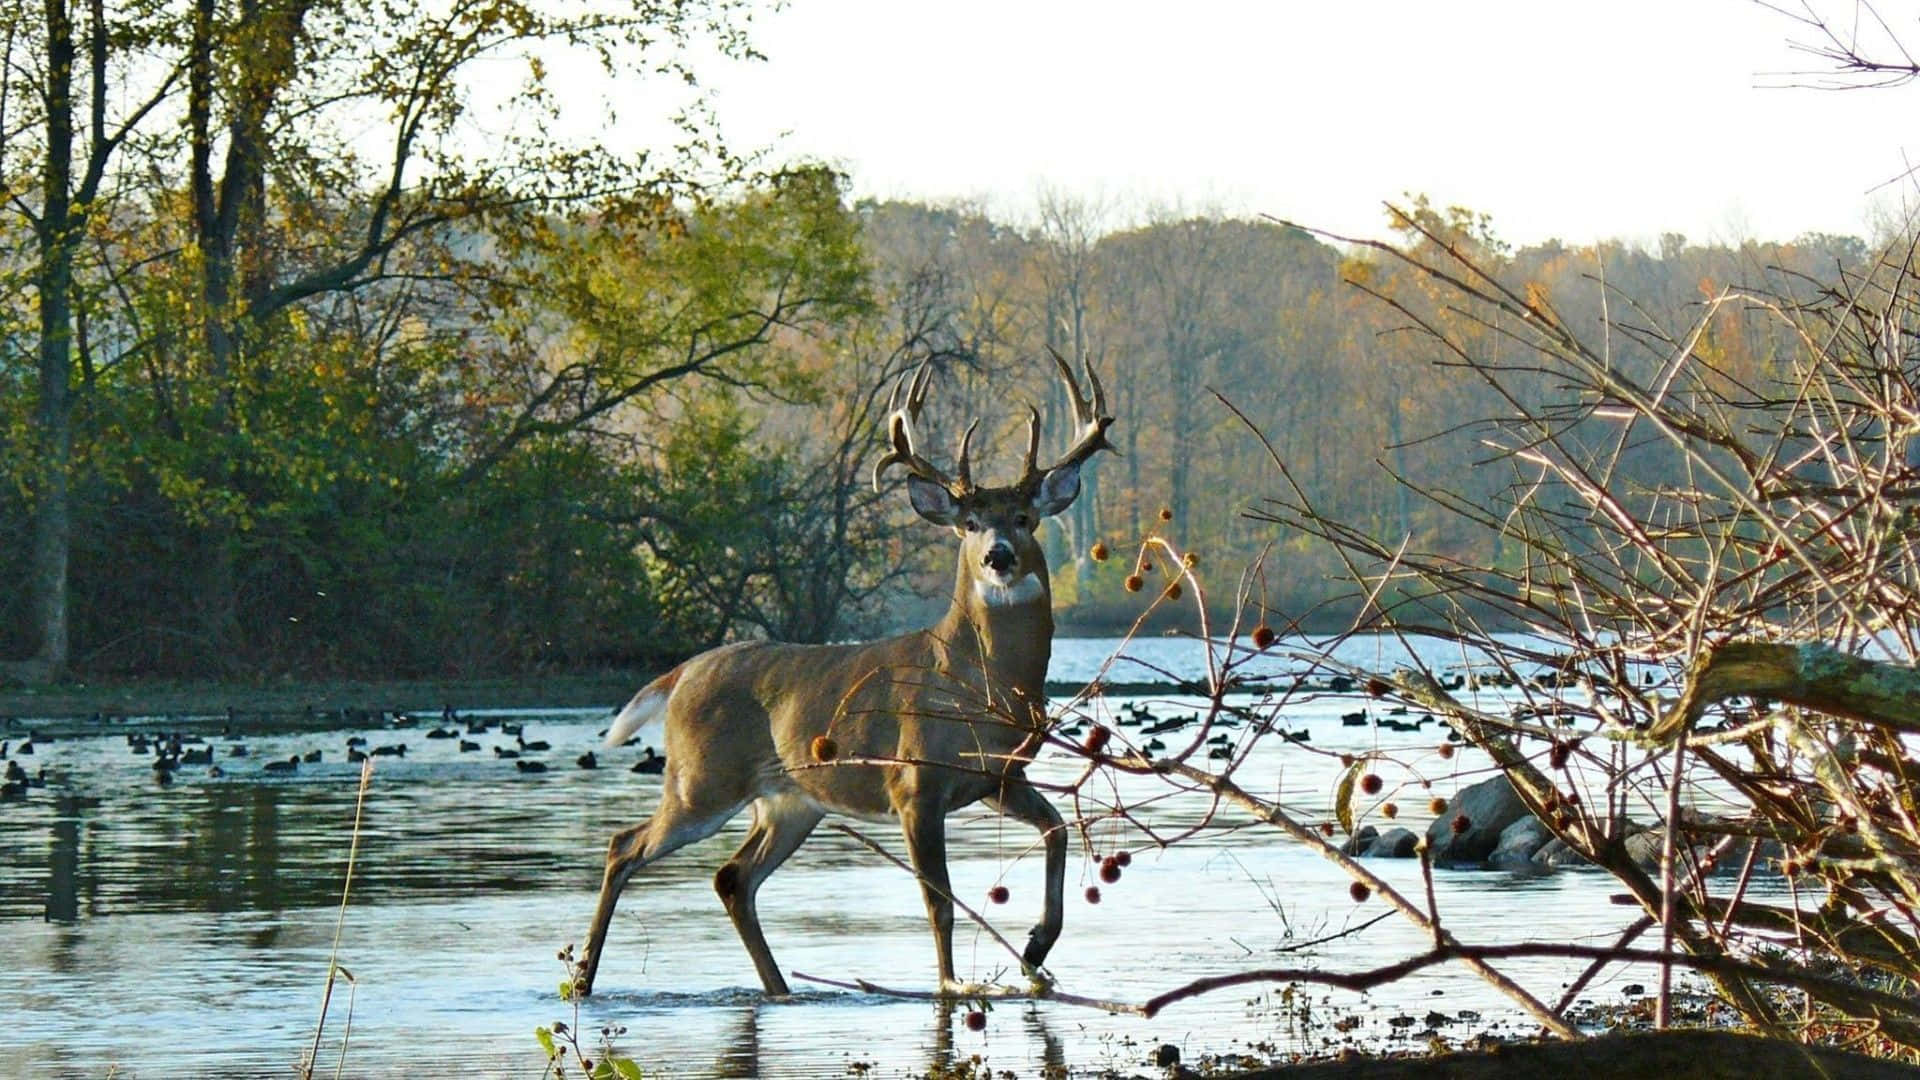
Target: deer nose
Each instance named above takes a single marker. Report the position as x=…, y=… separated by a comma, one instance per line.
x=999, y=558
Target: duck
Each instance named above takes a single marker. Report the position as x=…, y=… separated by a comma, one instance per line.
x=287, y=766
x=356, y=740
x=16, y=773
x=531, y=747
x=530, y=766
x=587, y=761
x=1356, y=718
x=511, y=729
x=237, y=750
x=468, y=746
x=311, y=757
x=443, y=733
x=393, y=750
x=25, y=748
x=651, y=763
x=355, y=755
x=503, y=752
x=202, y=756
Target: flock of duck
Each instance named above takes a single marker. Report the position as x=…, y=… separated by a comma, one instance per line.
x=228, y=754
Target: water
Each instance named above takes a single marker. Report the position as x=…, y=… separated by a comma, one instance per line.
x=186, y=929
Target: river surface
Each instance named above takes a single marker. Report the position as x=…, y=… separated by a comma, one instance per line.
x=185, y=930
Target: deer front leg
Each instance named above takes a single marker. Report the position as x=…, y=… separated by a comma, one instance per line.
x=1022, y=801
x=926, y=831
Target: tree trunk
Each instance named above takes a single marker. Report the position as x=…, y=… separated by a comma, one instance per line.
x=53, y=509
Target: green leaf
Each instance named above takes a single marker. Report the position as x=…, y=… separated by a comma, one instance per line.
x=1343, y=794
x=602, y=1071
x=546, y=1042
x=626, y=1067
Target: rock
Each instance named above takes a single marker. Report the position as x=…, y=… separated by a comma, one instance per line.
x=1489, y=807
x=1517, y=844
x=1395, y=843
x=1555, y=854
x=1359, y=841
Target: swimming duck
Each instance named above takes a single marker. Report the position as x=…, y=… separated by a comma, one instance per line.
x=286, y=766
x=652, y=763
x=530, y=766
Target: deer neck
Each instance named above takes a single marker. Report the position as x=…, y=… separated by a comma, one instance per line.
x=1009, y=631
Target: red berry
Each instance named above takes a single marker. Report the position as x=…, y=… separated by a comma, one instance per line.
x=1109, y=871
x=977, y=1020
x=1437, y=807
x=824, y=748
x=1093, y=894
x=1134, y=583
x=1446, y=750
x=1172, y=591
x=1099, y=551
x=1166, y=514
x=998, y=894
x=1371, y=783
x=1359, y=891
x=1377, y=687
x=1391, y=810
x=1097, y=739
x=1460, y=824
x=1262, y=636
x=1123, y=858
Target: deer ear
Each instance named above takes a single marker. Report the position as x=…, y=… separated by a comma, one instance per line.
x=1057, y=490
x=933, y=501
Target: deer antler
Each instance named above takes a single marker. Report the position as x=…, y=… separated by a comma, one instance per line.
x=904, y=405
x=1090, y=418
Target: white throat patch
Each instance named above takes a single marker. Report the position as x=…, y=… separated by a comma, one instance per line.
x=1026, y=590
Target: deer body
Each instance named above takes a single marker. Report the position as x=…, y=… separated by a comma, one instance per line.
x=915, y=726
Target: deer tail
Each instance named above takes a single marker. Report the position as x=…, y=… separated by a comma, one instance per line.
x=648, y=707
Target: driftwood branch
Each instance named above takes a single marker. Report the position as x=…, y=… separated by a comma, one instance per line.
x=1811, y=675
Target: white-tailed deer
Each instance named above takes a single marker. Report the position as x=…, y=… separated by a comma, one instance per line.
x=913, y=727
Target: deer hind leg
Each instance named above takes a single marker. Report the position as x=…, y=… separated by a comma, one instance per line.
x=1022, y=801
x=673, y=826
x=926, y=831
x=780, y=824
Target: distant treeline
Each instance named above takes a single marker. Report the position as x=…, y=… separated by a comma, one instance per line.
x=390, y=484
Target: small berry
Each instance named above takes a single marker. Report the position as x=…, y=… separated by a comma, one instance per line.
x=1097, y=738
x=1190, y=560
x=1557, y=757
x=1326, y=828
x=998, y=894
x=1098, y=551
x=1377, y=687
x=1359, y=891
x=1123, y=858
x=1446, y=750
x=1134, y=583
x=1146, y=564
x=1166, y=513
x=1262, y=636
x=1460, y=824
x=1172, y=591
x=1109, y=871
x=1346, y=761
x=1371, y=783
x=1093, y=894
x=824, y=748
x=977, y=1021
x=1391, y=810
x=1437, y=807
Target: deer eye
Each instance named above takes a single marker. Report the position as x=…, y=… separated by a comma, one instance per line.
x=1025, y=521
x=972, y=523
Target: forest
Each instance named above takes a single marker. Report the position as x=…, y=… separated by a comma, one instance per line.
x=281, y=398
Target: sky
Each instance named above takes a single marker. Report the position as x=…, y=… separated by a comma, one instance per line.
x=1621, y=119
